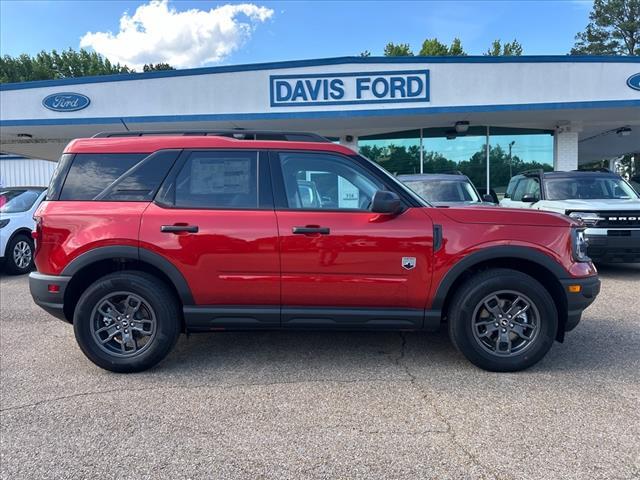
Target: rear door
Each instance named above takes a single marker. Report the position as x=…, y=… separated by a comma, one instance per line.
x=343, y=265
x=214, y=220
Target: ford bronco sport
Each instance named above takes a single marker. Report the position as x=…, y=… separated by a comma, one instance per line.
x=607, y=205
x=143, y=236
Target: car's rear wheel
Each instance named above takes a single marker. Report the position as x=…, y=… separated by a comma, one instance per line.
x=19, y=255
x=127, y=321
x=502, y=320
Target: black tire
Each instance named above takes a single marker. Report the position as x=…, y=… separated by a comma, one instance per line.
x=474, y=340
x=157, y=298
x=11, y=265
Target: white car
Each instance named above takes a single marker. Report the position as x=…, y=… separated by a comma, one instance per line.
x=17, y=205
x=607, y=205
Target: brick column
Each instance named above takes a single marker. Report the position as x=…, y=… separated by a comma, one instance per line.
x=565, y=148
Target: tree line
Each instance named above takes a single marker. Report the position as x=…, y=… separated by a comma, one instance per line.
x=400, y=159
x=66, y=64
x=432, y=47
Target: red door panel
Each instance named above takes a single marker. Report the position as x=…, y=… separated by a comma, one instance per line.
x=231, y=260
x=359, y=263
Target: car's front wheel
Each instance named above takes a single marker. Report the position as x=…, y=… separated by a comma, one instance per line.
x=503, y=320
x=127, y=321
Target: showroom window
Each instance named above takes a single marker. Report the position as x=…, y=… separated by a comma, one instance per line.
x=511, y=151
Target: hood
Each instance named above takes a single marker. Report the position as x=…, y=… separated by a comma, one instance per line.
x=597, y=205
x=507, y=216
x=461, y=204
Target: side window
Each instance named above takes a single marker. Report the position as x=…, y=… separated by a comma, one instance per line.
x=533, y=188
x=218, y=179
x=91, y=173
x=511, y=188
x=518, y=191
x=526, y=186
x=326, y=182
x=141, y=181
x=132, y=177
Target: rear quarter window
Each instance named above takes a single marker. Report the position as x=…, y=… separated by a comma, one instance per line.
x=116, y=177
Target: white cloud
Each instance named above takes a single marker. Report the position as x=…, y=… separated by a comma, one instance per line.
x=157, y=33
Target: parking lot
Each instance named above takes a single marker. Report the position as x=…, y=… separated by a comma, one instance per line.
x=323, y=405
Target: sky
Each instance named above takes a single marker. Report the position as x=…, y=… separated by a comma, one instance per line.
x=204, y=33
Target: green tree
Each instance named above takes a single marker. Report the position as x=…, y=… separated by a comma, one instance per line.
x=432, y=47
x=508, y=49
x=365, y=53
x=614, y=29
x=399, y=50
x=151, y=67
x=52, y=65
x=456, y=48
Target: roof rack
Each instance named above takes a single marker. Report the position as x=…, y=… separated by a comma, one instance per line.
x=238, y=134
x=450, y=172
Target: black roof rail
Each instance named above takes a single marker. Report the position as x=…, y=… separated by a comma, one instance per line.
x=239, y=134
x=450, y=172
x=595, y=169
x=535, y=171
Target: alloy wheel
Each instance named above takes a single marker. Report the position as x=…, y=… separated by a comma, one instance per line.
x=123, y=324
x=505, y=323
x=22, y=254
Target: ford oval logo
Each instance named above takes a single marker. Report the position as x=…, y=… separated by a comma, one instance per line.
x=634, y=81
x=66, y=102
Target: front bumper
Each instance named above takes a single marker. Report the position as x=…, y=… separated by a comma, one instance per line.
x=613, y=245
x=577, y=302
x=51, y=302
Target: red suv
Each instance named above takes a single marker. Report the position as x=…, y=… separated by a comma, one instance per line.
x=146, y=235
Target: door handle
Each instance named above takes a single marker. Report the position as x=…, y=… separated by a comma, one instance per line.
x=311, y=230
x=179, y=228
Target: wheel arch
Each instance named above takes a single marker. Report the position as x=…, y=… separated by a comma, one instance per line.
x=19, y=231
x=524, y=259
x=91, y=265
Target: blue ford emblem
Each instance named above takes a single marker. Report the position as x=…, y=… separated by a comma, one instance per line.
x=634, y=81
x=66, y=102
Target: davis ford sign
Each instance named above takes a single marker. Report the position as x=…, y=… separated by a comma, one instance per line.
x=350, y=88
x=66, y=102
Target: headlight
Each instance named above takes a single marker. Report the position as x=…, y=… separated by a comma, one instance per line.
x=579, y=246
x=4, y=222
x=588, y=218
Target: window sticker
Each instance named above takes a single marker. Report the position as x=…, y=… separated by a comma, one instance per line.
x=220, y=176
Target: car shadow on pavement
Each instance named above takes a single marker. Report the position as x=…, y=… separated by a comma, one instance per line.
x=597, y=345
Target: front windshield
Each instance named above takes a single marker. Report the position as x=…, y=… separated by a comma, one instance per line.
x=588, y=188
x=14, y=200
x=395, y=181
x=444, y=191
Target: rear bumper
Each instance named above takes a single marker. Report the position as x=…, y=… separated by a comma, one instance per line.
x=613, y=245
x=51, y=302
x=579, y=301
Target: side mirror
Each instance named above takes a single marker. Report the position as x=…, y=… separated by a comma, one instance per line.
x=488, y=198
x=528, y=198
x=386, y=202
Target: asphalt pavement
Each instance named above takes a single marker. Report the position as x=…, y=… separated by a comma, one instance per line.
x=322, y=405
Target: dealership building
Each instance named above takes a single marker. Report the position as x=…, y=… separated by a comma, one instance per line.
x=411, y=114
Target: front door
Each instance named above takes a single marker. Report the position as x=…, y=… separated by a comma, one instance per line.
x=343, y=265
